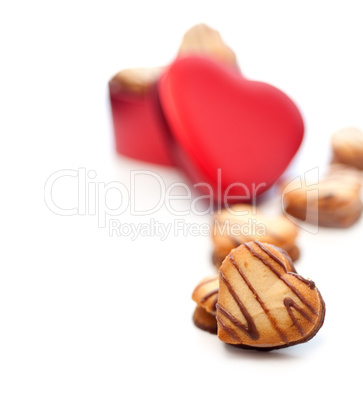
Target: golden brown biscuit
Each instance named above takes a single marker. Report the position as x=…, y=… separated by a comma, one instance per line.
x=247, y=223
x=203, y=40
x=263, y=306
x=204, y=320
x=206, y=296
x=136, y=80
x=347, y=147
x=333, y=202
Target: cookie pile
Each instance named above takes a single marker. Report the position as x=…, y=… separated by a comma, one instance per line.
x=258, y=300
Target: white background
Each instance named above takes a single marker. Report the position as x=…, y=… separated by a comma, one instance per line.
x=85, y=316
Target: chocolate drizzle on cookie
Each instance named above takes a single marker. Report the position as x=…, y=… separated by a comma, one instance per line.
x=205, y=282
x=282, y=268
x=290, y=304
x=208, y=295
x=249, y=329
x=273, y=256
x=282, y=278
x=258, y=298
x=228, y=329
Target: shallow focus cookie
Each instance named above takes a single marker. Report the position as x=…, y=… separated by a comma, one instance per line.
x=347, y=147
x=263, y=306
x=203, y=40
x=333, y=202
x=136, y=80
x=247, y=223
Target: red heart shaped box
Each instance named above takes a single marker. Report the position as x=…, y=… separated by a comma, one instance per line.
x=226, y=129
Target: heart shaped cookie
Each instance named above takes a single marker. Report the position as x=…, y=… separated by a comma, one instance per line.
x=263, y=306
x=205, y=295
x=236, y=136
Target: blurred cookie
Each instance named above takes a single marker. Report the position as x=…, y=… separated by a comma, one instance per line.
x=261, y=305
x=347, y=147
x=247, y=223
x=135, y=80
x=204, y=320
x=293, y=252
x=203, y=40
x=333, y=202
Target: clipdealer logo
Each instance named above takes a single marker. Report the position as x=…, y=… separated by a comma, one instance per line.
x=108, y=202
